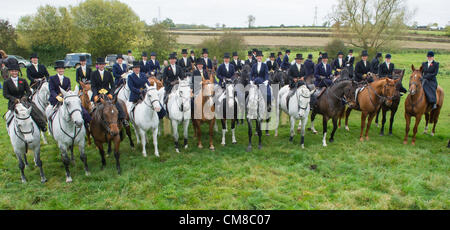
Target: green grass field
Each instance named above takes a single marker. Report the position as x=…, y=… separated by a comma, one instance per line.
x=379, y=174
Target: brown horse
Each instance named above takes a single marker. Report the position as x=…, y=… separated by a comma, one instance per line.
x=370, y=99
x=154, y=80
x=209, y=117
x=416, y=105
x=86, y=103
x=105, y=128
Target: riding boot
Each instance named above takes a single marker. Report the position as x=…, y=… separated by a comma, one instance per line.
x=38, y=117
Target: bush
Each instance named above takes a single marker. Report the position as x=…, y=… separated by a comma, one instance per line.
x=333, y=47
x=228, y=42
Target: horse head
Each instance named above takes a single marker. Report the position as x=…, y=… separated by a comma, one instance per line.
x=109, y=116
x=72, y=105
x=415, y=81
x=152, y=97
x=389, y=90
x=23, y=122
x=184, y=94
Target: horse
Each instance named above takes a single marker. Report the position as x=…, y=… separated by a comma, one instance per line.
x=23, y=133
x=231, y=103
x=105, y=128
x=298, y=108
x=179, y=108
x=66, y=127
x=256, y=110
x=144, y=117
x=416, y=105
x=123, y=92
x=278, y=77
x=206, y=114
x=397, y=74
x=331, y=104
x=85, y=97
x=40, y=99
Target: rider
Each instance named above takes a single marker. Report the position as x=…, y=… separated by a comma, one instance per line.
x=119, y=69
x=260, y=75
x=57, y=82
x=362, y=68
x=338, y=63
x=349, y=60
x=145, y=65
x=387, y=68
x=375, y=64
x=207, y=63
x=83, y=72
x=285, y=64
x=36, y=71
x=296, y=75
x=185, y=62
x=236, y=62
x=102, y=82
x=322, y=73
x=192, y=57
x=154, y=67
x=17, y=90
x=172, y=74
x=226, y=71
x=272, y=64
x=250, y=61
x=309, y=65
x=136, y=82
x=319, y=59
x=430, y=69
x=279, y=58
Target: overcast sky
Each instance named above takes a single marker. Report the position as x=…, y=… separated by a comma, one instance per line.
x=234, y=12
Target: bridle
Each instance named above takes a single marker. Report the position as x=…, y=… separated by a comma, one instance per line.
x=75, y=131
x=417, y=89
x=18, y=131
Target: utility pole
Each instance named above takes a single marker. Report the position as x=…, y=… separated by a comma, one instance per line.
x=315, y=16
x=159, y=14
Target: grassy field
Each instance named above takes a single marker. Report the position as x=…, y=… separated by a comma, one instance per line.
x=379, y=174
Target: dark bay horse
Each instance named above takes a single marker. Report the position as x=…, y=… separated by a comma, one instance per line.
x=331, y=105
x=397, y=74
x=416, y=104
x=200, y=101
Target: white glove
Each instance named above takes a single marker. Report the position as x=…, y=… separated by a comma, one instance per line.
x=252, y=83
x=266, y=82
x=124, y=75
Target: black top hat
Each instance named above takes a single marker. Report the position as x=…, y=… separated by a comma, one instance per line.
x=388, y=56
x=250, y=53
x=235, y=54
x=119, y=56
x=83, y=58
x=204, y=51
x=379, y=55
x=172, y=56
x=101, y=61
x=350, y=51
x=340, y=53
x=184, y=51
x=14, y=66
x=152, y=54
x=299, y=56
x=136, y=64
x=364, y=53
x=129, y=51
x=192, y=52
x=59, y=64
x=288, y=51
x=199, y=61
x=255, y=50
x=34, y=55
x=259, y=53
x=324, y=56
x=320, y=52
x=144, y=54
x=272, y=55
x=226, y=55
x=310, y=56
x=280, y=53
x=430, y=54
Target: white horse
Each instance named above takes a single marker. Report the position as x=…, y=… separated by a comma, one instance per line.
x=66, y=127
x=298, y=109
x=24, y=134
x=229, y=107
x=40, y=99
x=124, y=91
x=179, y=108
x=145, y=117
x=256, y=110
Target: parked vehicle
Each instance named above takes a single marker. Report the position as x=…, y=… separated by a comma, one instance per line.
x=73, y=59
x=22, y=61
x=111, y=60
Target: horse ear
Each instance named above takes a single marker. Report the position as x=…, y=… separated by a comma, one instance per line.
x=62, y=91
x=421, y=68
x=412, y=67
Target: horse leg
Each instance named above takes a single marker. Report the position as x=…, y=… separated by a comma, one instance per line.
x=185, y=130
x=313, y=116
x=378, y=113
x=292, y=125
x=347, y=114
x=88, y=135
x=335, y=120
x=427, y=119
x=142, y=135
x=211, y=135
x=117, y=153
x=299, y=128
x=155, y=141
x=198, y=133
x=383, y=121
x=418, y=117
x=38, y=162
x=83, y=157
x=136, y=133
x=128, y=131
x=302, y=141
x=258, y=129
x=44, y=139
x=325, y=127
x=101, y=151
x=224, y=130
x=233, y=131
x=391, y=120
x=407, y=127
x=175, y=135
x=369, y=122
x=250, y=128
x=267, y=129
x=66, y=162
x=109, y=147
x=363, y=124
x=435, y=118
x=25, y=159
x=21, y=167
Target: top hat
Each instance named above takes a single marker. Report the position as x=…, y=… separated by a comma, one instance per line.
x=14, y=66
x=255, y=50
x=199, y=61
x=184, y=51
x=235, y=54
x=152, y=54
x=430, y=54
x=280, y=53
x=119, y=56
x=310, y=56
x=350, y=51
x=259, y=53
x=272, y=55
x=144, y=54
x=83, y=58
x=172, y=56
x=299, y=56
x=129, y=51
x=101, y=61
x=324, y=55
x=250, y=53
x=34, y=55
x=204, y=51
x=340, y=53
x=288, y=51
x=59, y=64
x=192, y=52
x=388, y=56
x=136, y=64
x=379, y=55
x=226, y=55
x=364, y=53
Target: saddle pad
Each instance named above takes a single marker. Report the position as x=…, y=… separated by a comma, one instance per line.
x=358, y=90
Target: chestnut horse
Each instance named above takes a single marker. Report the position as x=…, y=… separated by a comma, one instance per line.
x=86, y=103
x=370, y=99
x=416, y=105
x=207, y=114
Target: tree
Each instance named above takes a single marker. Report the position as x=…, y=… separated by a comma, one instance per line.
x=8, y=40
x=251, y=21
x=227, y=42
x=369, y=24
x=106, y=27
x=169, y=23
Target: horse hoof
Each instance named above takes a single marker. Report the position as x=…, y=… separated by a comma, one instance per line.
x=87, y=173
x=413, y=143
x=144, y=154
x=390, y=133
x=156, y=154
x=367, y=138
x=291, y=139
x=314, y=131
x=234, y=142
x=200, y=146
x=432, y=134
x=212, y=148
x=186, y=147
x=249, y=148
x=381, y=134
x=361, y=139
x=223, y=143
x=303, y=146
x=331, y=140
x=43, y=180
x=346, y=128
x=24, y=181
x=259, y=146
x=405, y=142
x=376, y=124
x=69, y=180
x=177, y=150
x=324, y=144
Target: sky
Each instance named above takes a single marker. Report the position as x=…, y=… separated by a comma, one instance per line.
x=233, y=13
